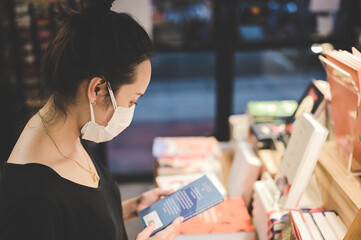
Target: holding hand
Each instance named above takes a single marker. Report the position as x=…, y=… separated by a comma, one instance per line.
x=169, y=233
x=149, y=197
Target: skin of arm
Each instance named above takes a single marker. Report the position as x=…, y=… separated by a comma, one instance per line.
x=130, y=208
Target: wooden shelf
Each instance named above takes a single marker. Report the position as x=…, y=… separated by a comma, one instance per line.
x=340, y=190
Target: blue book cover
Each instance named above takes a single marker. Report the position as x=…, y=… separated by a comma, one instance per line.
x=187, y=202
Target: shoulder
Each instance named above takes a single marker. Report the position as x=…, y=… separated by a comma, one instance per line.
x=31, y=180
x=30, y=202
x=30, y=218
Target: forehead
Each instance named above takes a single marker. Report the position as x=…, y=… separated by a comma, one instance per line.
x=141, y=80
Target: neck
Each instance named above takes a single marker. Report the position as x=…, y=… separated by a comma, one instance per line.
x=63, y=130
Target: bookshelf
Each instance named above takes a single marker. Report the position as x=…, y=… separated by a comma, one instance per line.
x=340, y=191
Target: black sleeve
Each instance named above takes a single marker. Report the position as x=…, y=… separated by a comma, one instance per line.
x=32, y=219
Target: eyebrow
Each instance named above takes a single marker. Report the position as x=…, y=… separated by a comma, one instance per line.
x=140, y=94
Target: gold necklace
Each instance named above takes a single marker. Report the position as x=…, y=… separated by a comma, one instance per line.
x=95, y=176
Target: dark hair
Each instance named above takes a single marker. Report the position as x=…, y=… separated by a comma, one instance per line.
x=92, y=41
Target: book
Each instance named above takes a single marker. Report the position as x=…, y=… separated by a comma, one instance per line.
x=300, y=225
x=336, y=223
x=229, y=217
x=356, y=52
x=264, y=135
x=189, y=201
x=178, y=181
x=276, y=222
x=315, y=232
x=238, y=127
x=288, y=232
x=323, y=226
x=188, y=164
x=179, y=155
x=300, y=159
x=344, y=76
x=245, y=170
x=263, y=203
x=313, y=100
x=218, y=236
x=270, y=111
x=186, y=146
x=305, y=224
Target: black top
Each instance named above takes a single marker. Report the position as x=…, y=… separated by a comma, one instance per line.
x=37, y=203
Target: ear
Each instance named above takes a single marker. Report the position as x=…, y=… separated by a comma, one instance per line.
x=96, y=85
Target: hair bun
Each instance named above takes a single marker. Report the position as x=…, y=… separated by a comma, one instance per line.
x=95, y=6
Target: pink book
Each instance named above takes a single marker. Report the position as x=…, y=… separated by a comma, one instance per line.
x=346, y=108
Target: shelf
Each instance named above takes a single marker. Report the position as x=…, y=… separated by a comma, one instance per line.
x=340, y=190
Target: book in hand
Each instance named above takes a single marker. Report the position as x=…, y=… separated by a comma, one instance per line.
x=187, y=202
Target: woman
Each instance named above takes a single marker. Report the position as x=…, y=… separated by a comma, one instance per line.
x=95, y=70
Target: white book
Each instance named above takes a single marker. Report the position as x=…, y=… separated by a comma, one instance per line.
x=300, y=159
x=312, y=226
x=323, y=225
x=245, y=170
x=300, y=225
x=336, y=224
x=263, y=203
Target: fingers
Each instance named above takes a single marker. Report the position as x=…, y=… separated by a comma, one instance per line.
x=164, y=192
x=146, y=232
x=172, y=228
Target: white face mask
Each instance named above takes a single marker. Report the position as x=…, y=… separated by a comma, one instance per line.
x=120, y=120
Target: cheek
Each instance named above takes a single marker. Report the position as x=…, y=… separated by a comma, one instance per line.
x=103, y=116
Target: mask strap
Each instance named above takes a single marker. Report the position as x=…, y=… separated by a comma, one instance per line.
x=92, y=118
x=112, y=96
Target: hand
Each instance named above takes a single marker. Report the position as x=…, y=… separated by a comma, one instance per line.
x=169, y=233
x=149, y=197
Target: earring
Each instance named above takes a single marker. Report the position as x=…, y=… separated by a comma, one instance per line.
x=95, y=101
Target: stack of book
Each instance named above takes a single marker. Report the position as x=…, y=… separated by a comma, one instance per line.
x=182, y=160
x=288, y=190
x=180, y=155
x=300, y=224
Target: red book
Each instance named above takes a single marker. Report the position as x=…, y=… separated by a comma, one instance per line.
x=228, y=217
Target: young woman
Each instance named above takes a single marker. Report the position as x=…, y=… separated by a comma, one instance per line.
x=96, y=68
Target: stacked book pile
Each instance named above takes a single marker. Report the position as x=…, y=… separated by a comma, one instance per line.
x=315, y=224
x=183, y=160
x=180, y=155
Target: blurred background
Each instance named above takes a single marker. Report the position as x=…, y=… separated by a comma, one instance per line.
x=211, y=58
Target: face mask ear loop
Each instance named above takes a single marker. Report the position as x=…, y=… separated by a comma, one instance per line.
x=91, y=112
x=112, y=96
